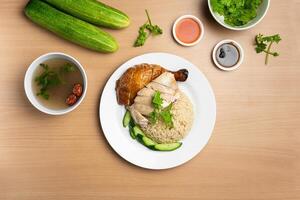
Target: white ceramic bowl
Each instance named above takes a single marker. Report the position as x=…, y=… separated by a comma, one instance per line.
x=29, y=77
x=241, y=52
x=261, y=13
x=196, y=20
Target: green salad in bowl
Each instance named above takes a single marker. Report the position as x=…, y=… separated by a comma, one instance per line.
x=238, y=14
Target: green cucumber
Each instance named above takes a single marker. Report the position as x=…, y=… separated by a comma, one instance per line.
x=93, y=12
x=132, y=134
x=148, y=142
x=137, y=131
x=126, y=119
x=167, y=147
x=131, y=125
x=158, y=147
x=69, y=27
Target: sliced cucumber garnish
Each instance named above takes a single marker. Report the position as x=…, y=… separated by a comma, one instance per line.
x=131, y=132
x=148, y=142
x=137, y=131
x=131, y=125
x=167, y=147
x=126, y=119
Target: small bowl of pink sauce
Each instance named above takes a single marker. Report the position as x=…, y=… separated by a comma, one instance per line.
x=188, y=30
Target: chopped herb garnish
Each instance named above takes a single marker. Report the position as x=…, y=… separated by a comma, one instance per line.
x=68, y=67
x=264, y=44
x=143, y=34
x=161, y=113
x=153, y=116
x=157, y=101
x=167, y=116
x=50, y=78
x=236, y=12
x=47, y=79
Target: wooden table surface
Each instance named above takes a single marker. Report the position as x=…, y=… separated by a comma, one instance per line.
x=252, y=154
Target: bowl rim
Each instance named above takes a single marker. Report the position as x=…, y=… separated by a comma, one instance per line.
x=29, y=76
x=238, y=28
x=241, y=51
x=185, y=17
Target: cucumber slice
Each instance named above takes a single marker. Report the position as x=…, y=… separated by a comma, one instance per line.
x=137, y=131
x=126, y=119
x=133, y=136
x=167, y=147
x=131, y=132
x=148, y=142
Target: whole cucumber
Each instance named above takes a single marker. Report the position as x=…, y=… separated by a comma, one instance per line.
x=69, y=27
x=93, y=12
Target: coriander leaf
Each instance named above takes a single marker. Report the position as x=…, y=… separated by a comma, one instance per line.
x=236, y=12
x=46, y=67
x=153, y=116
x=157, y=101
x=167, y=116
x=264, y=44
x=143, y=35
x=157, y=104
x=163, y=114
x=44, y=94
x=68, y=67
x=155, y=30
x=47, y=79
x=260, y=47
x=145, y=31
x=276, y=38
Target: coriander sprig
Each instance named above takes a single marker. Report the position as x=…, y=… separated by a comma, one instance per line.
x=236, y=12
x=264, y=44
x=161, y=113
x=50, y=78
x=144, y=34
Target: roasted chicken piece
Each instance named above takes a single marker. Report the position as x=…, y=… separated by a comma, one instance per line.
x=137, y=77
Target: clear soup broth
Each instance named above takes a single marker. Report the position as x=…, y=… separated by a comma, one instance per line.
x=57, y=93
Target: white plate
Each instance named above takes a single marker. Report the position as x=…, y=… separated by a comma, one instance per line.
x=196, y=87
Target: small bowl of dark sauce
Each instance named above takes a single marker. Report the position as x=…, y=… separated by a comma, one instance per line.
x=228, y=55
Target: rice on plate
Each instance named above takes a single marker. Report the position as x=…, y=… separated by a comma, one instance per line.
x=183, y=117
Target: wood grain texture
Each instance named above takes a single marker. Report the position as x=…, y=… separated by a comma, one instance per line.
x=253, y=153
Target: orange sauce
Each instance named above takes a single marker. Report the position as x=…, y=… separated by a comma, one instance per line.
x=188, y=30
